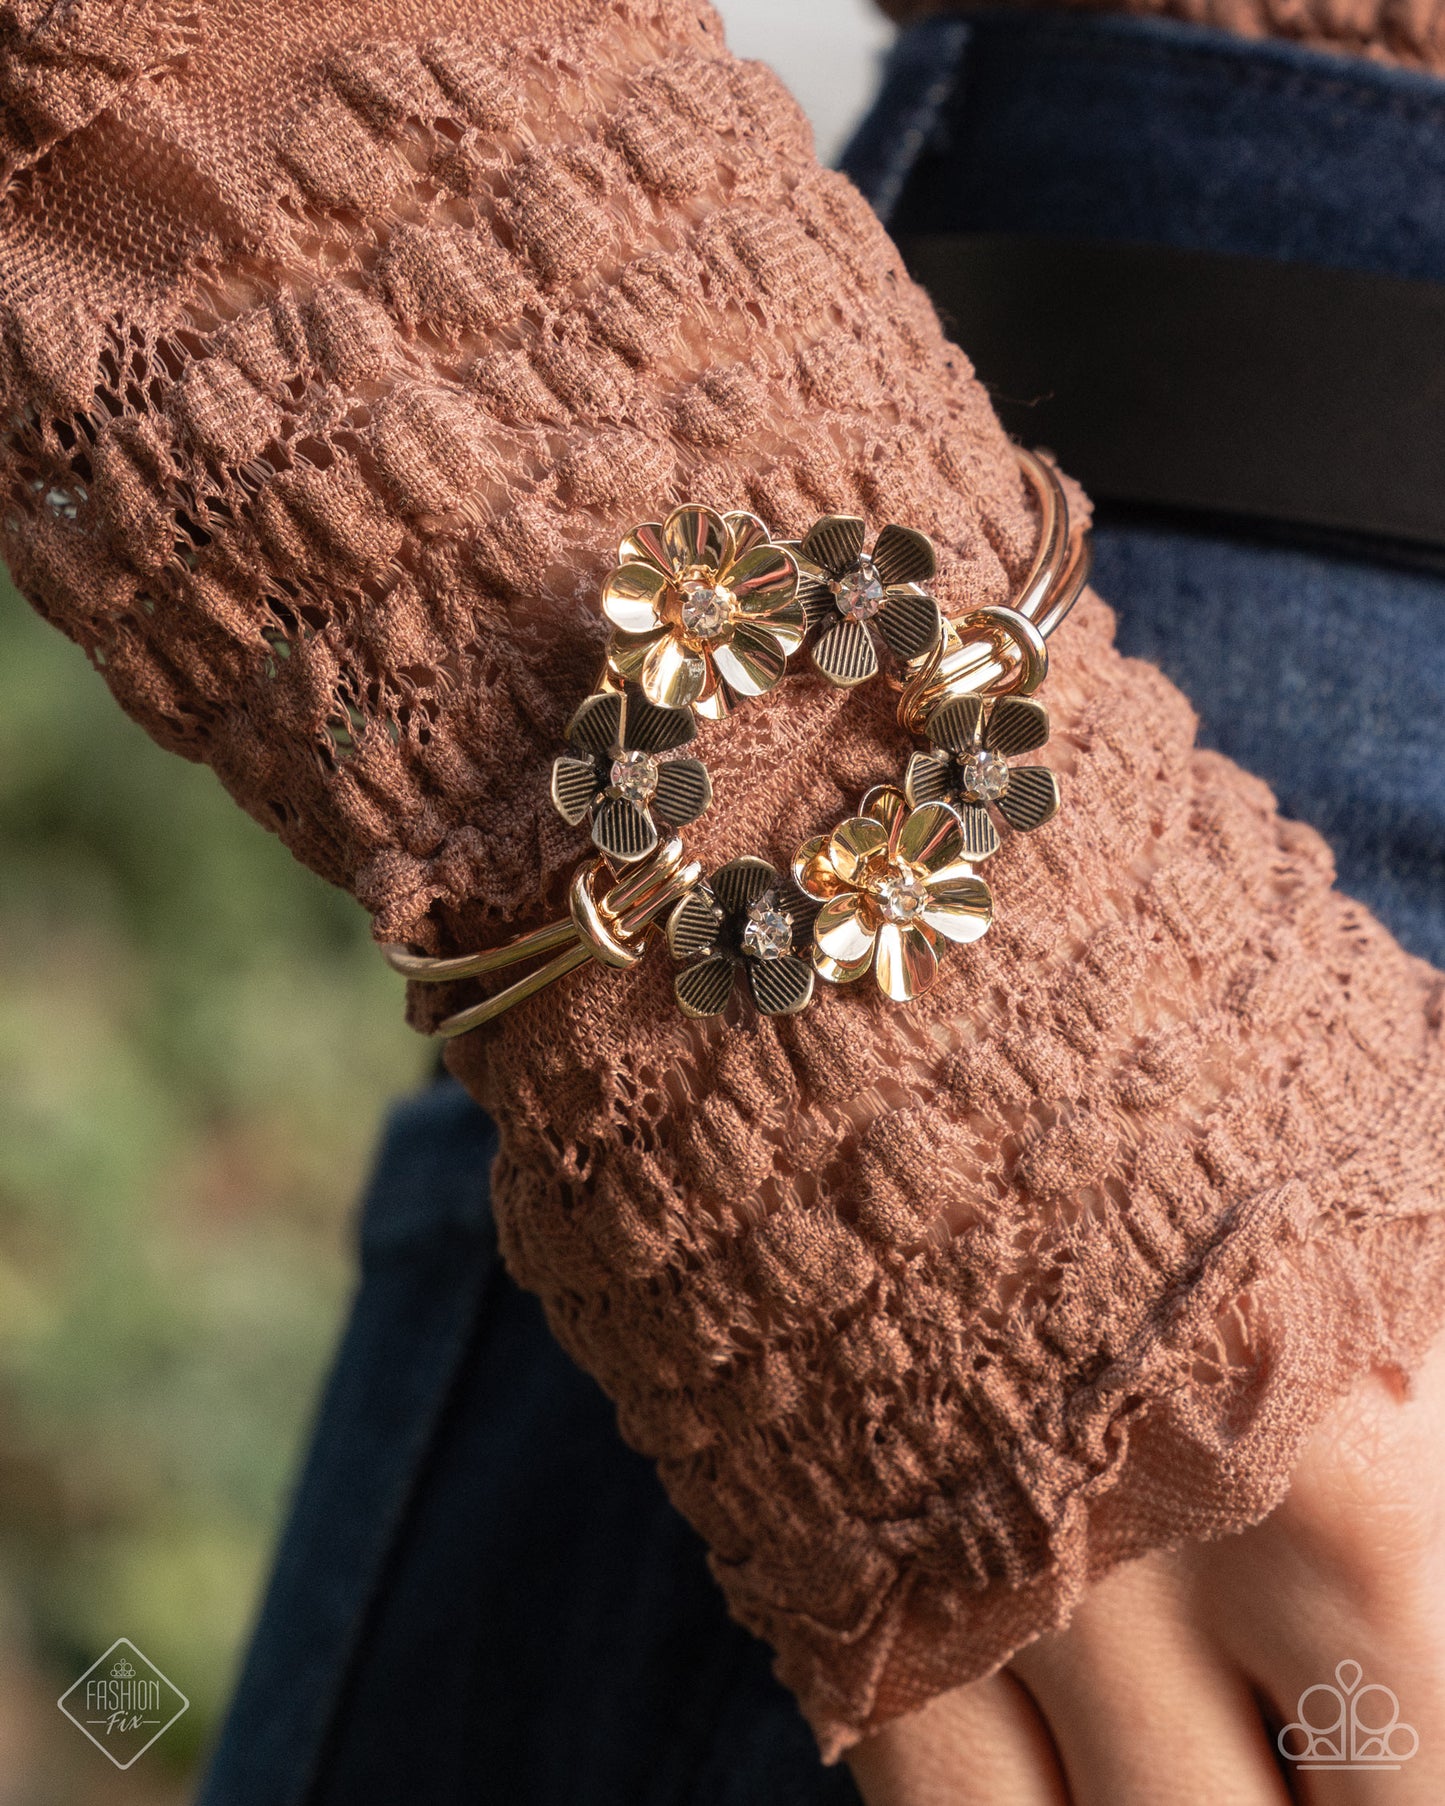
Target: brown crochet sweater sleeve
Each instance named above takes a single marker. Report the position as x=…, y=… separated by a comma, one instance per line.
x=338, y=344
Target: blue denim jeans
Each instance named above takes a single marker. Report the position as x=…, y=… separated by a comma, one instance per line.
x=480, y=1593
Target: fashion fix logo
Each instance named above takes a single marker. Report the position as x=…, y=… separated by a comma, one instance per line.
x=1348, y=1725
x=123, y=1703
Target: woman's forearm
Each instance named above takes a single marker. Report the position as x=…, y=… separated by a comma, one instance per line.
x=419, y=336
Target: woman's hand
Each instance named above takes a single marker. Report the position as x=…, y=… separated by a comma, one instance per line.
x=1172, y=1681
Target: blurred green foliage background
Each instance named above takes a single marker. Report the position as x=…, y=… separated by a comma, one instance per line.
x=196, y=1043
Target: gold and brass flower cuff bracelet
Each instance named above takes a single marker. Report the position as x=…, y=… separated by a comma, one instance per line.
x=706, y=610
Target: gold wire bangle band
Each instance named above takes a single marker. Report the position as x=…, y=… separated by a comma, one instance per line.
x=1070, y=585
x=612, y=930
x=1009, y=654
x=478, y=1015
x=477, y=965
x=1061, y=563
x=1052, y=549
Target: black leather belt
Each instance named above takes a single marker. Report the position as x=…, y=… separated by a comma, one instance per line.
x=1277, y=392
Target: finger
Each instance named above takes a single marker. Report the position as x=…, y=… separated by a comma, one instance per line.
x=1143, y=1708
x=1342, y=1672
x=1336, y=1603
x=1356, y=1745
x=982, y=1745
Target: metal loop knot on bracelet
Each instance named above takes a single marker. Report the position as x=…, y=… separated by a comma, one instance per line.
x=612, y=929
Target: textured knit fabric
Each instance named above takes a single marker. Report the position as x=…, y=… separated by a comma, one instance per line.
x=332, y=374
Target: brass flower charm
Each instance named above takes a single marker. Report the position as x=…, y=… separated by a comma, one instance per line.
x=972, y=741
x=894, y=882
x=843, y=590
x=744, y=918
x=705, y=608
x=615, y=771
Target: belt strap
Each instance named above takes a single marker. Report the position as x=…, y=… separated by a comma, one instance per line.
x=1236, y=385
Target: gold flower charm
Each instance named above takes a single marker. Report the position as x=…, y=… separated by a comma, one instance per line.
x=967, y=764
x=615, y=771
x=843, y=590
x=705, y=608
x=893, y=881
x=744, y=918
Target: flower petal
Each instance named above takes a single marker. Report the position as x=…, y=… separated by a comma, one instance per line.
x=845, y=654
x=647, y=728
x=747, y=531
x=752, y=661
x=980, y=836
x=631, y=597
x=780, y=987
x=906, y=964
x=741, y=882
x=763, y=579
x=621, y=830
x=909, y=622
x=903, y=555
x=954, y=726
x=834, y=542
x=852, y=842
x=683, y=791
x=800, y=908
x=1016, y=724
x=643, y=545
x=813, y=871
x=596, y=727
x=671, y=675
x=694, y=535
x=1032, y=797
x=694, y=926
x=886, y=804
x=840, y=933
x=927, y=779
x=841, y=972
x=704, y=989
x=959, y=909
x=815, y=593
x=715, y=703
x=627, y=652
x=787, y=623
x=574, y=785
x=930, y=836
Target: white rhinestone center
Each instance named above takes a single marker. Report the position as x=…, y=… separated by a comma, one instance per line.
x=634, y=776
x=860, y=591
x=984, y=776
x=769, y=933
x=706, y=610
x=902, y=894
